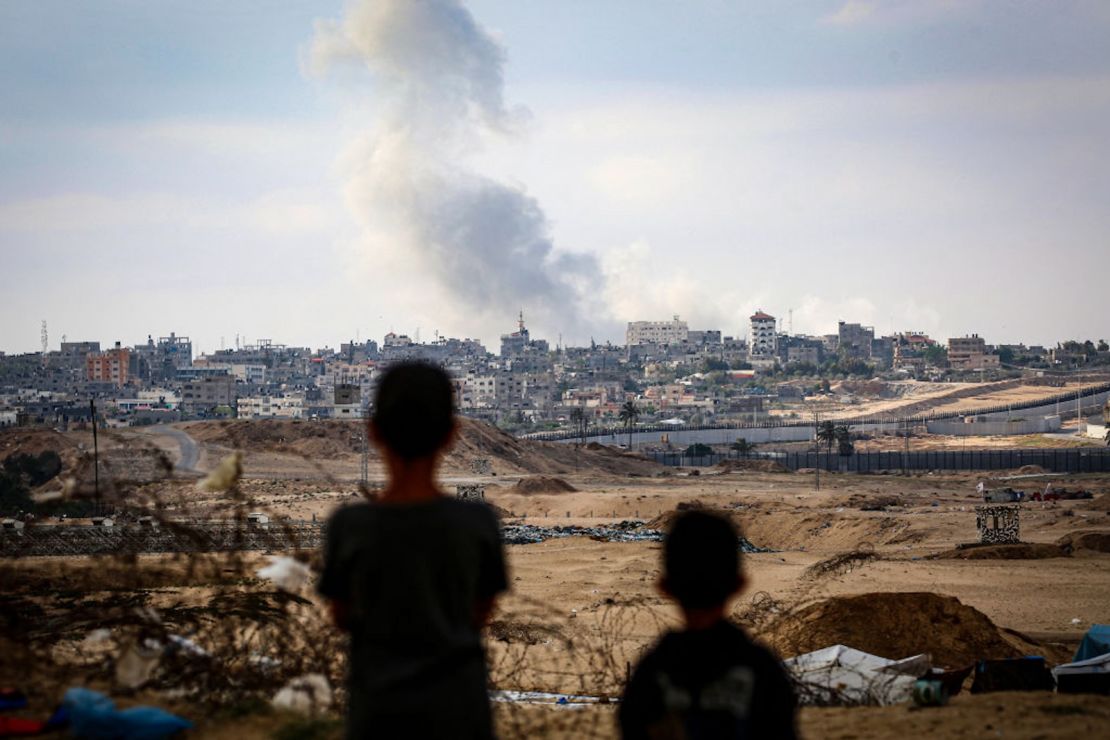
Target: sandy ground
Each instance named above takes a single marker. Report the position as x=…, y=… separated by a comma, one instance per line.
x=581, y=610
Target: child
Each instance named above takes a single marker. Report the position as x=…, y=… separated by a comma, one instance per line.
x=413, y=576
x=709, y=680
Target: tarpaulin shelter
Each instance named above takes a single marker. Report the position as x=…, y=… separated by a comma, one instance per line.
x=1096, y=642
x=1091, y=676
x=843, y=675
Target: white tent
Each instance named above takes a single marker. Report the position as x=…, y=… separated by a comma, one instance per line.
x=674, y=422
x=844, y=675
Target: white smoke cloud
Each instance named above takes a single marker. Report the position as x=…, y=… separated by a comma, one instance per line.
x=486, y=245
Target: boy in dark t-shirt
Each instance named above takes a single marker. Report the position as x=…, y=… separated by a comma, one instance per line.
x=413, y=576
x=709, y=680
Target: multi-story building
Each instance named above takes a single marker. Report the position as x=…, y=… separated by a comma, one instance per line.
x=675, y=331
x=203, y=396
x=112, y=366
x=970, y=353
x=853, y=341
x=270, y=407
x=762, y=338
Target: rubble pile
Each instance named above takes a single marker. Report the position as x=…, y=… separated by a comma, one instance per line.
x=624, y=531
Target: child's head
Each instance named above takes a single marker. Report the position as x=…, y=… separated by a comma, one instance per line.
x=414, y=414
x=701, y=560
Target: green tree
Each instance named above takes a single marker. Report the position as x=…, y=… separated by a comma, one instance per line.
x=698, y=450
x=935, y=355
x=844, y=444
x=629, y=414
x=743, y=446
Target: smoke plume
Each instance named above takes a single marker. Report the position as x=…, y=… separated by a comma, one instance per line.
x=437, y=82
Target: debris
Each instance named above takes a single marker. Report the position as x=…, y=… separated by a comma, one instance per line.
x=305, y=694
x=625, y=531
x=137, y=663
x=286, y=573
x=94, y=715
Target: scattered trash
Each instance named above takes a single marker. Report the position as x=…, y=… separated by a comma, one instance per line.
x=286, y=573
x=93, y=715
x=929, y=693
x=625, y=531
x=12, y=699
x=137, y=663
x=305, y=694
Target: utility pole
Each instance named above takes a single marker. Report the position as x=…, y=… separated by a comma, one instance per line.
x=817, y=446
x=906, y=454
x=96, y=460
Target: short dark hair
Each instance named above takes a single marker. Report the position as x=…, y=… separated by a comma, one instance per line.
x=701, y=559
x=414, y=409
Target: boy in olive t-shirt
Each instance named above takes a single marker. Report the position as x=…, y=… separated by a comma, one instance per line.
x=413, y=576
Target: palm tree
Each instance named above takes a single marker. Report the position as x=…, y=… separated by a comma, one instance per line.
x=826, y=432
x=844, y=439
x=629, y=415
x=1107, y=437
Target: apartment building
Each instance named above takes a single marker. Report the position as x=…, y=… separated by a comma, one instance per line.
x=112, y=366
x=762, y=338
x=674, y=331
x=970, y=353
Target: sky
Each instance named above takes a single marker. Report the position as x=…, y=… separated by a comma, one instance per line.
x=313, y=173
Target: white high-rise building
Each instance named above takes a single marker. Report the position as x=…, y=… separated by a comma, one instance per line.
x=762, y=341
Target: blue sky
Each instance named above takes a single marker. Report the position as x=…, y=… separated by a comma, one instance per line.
x=909, y=164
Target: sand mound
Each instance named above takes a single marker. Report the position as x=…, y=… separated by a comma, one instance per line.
x=756, y=466
x=1102, y=503
x=893, y=625
x=35, y=441
x=663, y=522
x=1090, y=541
x=1030, y=470
x=542, y=484
x=480, y=447
x=307, y=438
x=1016, y=551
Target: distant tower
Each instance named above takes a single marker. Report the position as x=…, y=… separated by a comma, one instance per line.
x=45, y=342
x=520, y=321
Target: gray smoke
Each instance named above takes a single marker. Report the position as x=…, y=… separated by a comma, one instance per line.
x=438, y=81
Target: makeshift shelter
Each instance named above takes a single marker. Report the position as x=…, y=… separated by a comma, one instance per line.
x=1096, y=642
x=1091, y=676
x=1015, y=674
x=840, y=675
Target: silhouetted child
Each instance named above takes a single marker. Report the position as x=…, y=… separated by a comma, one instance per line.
x=413, y=576
x=708, y=680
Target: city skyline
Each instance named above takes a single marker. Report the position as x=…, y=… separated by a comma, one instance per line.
x=212, y=169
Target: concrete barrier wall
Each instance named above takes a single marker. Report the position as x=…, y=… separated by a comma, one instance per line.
x=982, y=428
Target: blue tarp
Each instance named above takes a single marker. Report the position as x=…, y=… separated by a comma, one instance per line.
x=1096, y=642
